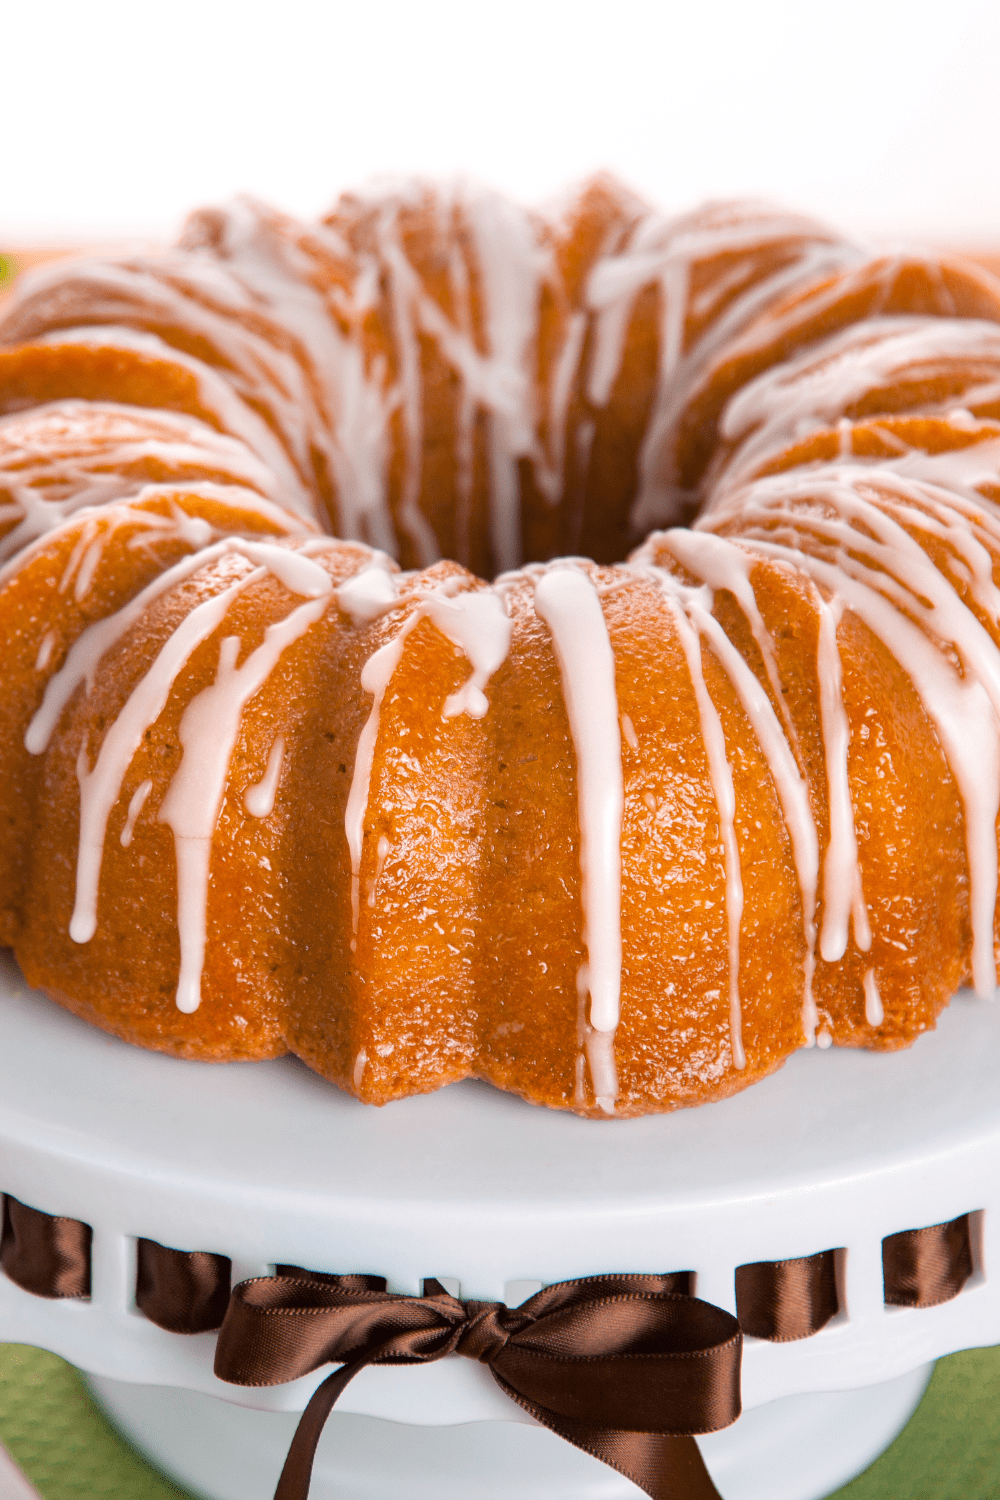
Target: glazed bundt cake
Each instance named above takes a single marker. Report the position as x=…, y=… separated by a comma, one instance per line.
x=616, y=835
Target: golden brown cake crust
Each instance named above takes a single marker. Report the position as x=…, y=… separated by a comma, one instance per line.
x=615, y=833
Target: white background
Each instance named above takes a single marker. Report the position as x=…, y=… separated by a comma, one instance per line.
x=118, y=117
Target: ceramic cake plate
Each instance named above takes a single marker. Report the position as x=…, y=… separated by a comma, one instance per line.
x=267, y=1163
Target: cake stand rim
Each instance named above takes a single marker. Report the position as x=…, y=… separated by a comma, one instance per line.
x=50, y=1118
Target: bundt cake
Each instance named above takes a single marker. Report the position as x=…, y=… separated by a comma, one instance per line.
x=616, y=835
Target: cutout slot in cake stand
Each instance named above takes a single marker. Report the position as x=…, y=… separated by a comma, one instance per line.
x=266, y=1163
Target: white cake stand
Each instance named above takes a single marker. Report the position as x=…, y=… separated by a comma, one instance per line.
x=267, y=1164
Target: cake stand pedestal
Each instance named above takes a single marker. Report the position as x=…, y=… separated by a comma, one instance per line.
x=801, y=1448
x=267, y=1164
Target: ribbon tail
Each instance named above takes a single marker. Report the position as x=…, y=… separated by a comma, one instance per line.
x=666, y=1467
x=296, y=1473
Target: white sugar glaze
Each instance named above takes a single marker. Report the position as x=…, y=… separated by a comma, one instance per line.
x=216, y=398
x=45, y=648
x=722, y=565
x=369, y=594
x=93, y=643
x=282, y=310
x=474, y=621
x=972, y=472
x=100, y=784
x=258, y=799
x=208, y=731
x=874, y=1014
x=659, y=499
x=628, y=732
x=789, y=402
x=510, y=266
x=566, y=599
x=228, y=303
x=65, y=459
x=874, y=567
x=135, y=807
x=843, y=896
x=721, y=776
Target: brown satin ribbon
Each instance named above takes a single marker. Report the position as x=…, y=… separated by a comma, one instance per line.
x=781, y=1300
x=627, y=1368
x=179, y=1290
x=922, y=1267
x=621, y=1366
x=43, y=1253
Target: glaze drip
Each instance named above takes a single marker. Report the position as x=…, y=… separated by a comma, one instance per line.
x=721, y=565
x=843, y=896
x=259, y=798
x=566, y=599
x=135, y=807
x=848, y=540
x=207, y=732
x=720, y=773
x=475, y=621
x=65, y=456
x=874, y=1014
x=97, y=640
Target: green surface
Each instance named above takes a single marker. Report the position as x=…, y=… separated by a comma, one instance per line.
x=949, y=1451
x=64, y=1444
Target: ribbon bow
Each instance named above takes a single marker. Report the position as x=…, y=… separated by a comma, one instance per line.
x=621, y=1366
